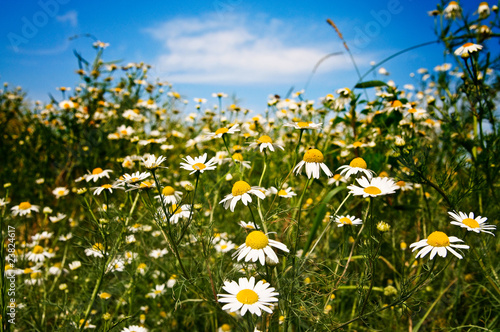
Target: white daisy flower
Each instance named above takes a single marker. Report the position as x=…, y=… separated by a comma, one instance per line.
x=257, y=246
x=224, y=246
x=109, y=187
x=373, y=187
x=438, y=243
x=483, y=10
x=265, y=142
x=175, y=213
x=133, y=178
x=152, y=163
x=144, y=185
x=467, y=48
x=74, y=265
x=452, y=10
x=221, y=131
x=246, y=295
x=476, y=224
x=283, y=193
x=42, y=236
x=404, y=186
x=247, y=225
x=157, y=291
x=96, y=174
x=241, y=191
x=157, y=253
x=303, y=125
x=24, y=208
x=347, y=220
x=117, y=265
x=97, y=250
x=357, y=165
x=38, y=254
x=125, y=130
x=57, y=218
x=134, y=328
x=169, y=195
x=60, y=192
x=336, y=179
x=171, y=281
x=313, y=159
x=198, y=164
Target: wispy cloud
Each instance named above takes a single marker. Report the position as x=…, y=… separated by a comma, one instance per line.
x=237, y=51
x=71, y=17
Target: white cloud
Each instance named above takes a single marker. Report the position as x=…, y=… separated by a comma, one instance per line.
x=239, y=51
x=71, y=17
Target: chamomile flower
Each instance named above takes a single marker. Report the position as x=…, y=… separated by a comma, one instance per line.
x=133, y=178
x=60, y=192
x=57, y=218
x=265, y=142
x=175, y=213
x=355, y=166
x=107, y=186
x=169, y=195
x=247, y=225
x=97, y=250
x=198, y=164
x=477, y=224
x=452, y=10
x=158, y=253
x=373, y=187
x=304, y=125
x=467, y=48
x=347, y=220
x=134, y=328
x=404, y=186
x=224, y=131
x=157, y=291
x=224, y=246
x=438, y=243
x=246, y=295
x=38, y=254
x=97, y=173
x=257, y=246
x=152, y=163
x=283, y=193
x=336, y=179
x=241, y=191
x=24, y=208
x=313, y=160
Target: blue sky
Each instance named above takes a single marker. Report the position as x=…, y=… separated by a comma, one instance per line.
x=247, y=48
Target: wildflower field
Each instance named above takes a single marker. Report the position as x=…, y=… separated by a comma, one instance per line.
x=373, y=208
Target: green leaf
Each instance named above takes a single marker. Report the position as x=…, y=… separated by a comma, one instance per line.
x=369, y=84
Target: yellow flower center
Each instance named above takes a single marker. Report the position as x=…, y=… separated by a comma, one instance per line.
x=124, y=132
x=401, y=183
x=372, y=190
x=97, y=170
x=237, y=156
x=412, y=110
x=302, y=124
x=24, y=206
x=146, y=184
x=346, y=221
x=396, y=103
x=336, y=177
x=168, y=191
x=240, y=187
x=472, y=223
x=438, y=239
x=106, y=186
x=221, y=131
x=36, y=275
x=176, y=209
x=27, y=270
x=199, y=166
x=265, y=139
x=468, y=44
x=357, y=144
x=37, y=249
x=157, y=291
x=132, y=180
x=223, y=246
x=225, y=327
x=257, y=240
x=313, y=156
x=105, y=295
x=282, y=192
x=247, y=296
x=98, y=247
x=141, y=266
x=358, y=162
